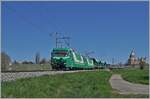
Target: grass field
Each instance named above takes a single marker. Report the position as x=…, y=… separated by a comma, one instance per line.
x=79, y=85
x=134, y=75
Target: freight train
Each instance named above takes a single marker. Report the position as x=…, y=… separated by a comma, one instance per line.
x=69, y=59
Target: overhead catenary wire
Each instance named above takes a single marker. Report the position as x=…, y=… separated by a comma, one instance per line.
x=31, y=23
x=39, y=28
x=20, y=16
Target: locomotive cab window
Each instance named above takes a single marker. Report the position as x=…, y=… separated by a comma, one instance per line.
x=60, y=53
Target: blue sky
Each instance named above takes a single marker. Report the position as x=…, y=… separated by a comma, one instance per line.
x=110, y=29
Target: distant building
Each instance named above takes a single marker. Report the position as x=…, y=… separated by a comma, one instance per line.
x=132, y=59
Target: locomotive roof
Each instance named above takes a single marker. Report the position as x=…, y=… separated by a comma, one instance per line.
x=64, y=49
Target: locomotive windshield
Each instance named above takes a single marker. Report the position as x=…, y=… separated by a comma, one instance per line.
x=59, y=53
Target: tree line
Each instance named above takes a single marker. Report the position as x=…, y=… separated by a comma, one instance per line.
x=6, y=61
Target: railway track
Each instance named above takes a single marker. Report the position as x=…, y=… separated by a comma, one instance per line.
x=9, y=76
x=26, y=71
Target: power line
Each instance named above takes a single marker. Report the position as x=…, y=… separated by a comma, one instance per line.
x=37, y=27
x=60, y=41
x=66, y=40
x=88, y=53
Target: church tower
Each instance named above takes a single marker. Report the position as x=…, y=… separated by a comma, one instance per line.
x=132, y=58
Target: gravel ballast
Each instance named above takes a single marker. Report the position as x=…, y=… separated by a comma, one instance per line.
x=16, y=75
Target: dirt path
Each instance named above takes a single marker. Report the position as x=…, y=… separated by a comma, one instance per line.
x=125, y=87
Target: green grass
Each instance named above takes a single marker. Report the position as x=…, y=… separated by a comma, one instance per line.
x=79, y=85
x=134, y=75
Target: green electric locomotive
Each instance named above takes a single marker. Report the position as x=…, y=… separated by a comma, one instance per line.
x=67, y=58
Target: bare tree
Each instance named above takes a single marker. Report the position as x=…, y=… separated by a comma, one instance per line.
x=37, y=58
x=5, y=61
x=15, y=62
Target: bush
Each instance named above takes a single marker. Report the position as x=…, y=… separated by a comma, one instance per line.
x=43, y=61
x=142, y=64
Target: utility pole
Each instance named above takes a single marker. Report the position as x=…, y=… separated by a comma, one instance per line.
x=56, y=37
